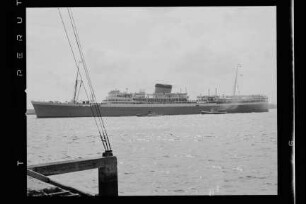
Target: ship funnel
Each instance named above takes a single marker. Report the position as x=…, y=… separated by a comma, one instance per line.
x=163, y=88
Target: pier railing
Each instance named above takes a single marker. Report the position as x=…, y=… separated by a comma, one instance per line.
x=107, y=171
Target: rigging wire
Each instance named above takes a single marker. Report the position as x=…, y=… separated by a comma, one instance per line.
x=80, y=76
x=95, y=104
x=94, y=108
x=103, y=135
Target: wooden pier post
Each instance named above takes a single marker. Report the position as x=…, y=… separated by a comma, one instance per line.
x=108, y=178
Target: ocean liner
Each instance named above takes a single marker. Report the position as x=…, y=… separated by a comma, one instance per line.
x=161, y=102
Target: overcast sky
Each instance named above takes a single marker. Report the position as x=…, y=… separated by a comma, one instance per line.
x=193, y=48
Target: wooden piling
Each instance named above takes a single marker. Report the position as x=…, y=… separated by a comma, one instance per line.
x=108, y=178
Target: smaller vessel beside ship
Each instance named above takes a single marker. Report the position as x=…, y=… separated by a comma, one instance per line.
x=149, y=114
x=213, y=112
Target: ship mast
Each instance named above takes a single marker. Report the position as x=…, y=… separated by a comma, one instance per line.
x=236, y=81
x=77, y=86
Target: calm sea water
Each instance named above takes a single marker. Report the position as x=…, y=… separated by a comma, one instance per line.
x=230, y=154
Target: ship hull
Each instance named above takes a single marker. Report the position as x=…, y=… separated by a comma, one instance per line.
x=57, y=110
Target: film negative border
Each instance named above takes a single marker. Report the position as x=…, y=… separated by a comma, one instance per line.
x=284, y=72
x=18, y=75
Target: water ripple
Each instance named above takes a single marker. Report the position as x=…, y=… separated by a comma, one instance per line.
x=175, y=155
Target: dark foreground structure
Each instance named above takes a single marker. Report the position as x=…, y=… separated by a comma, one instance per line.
x=39, y=184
